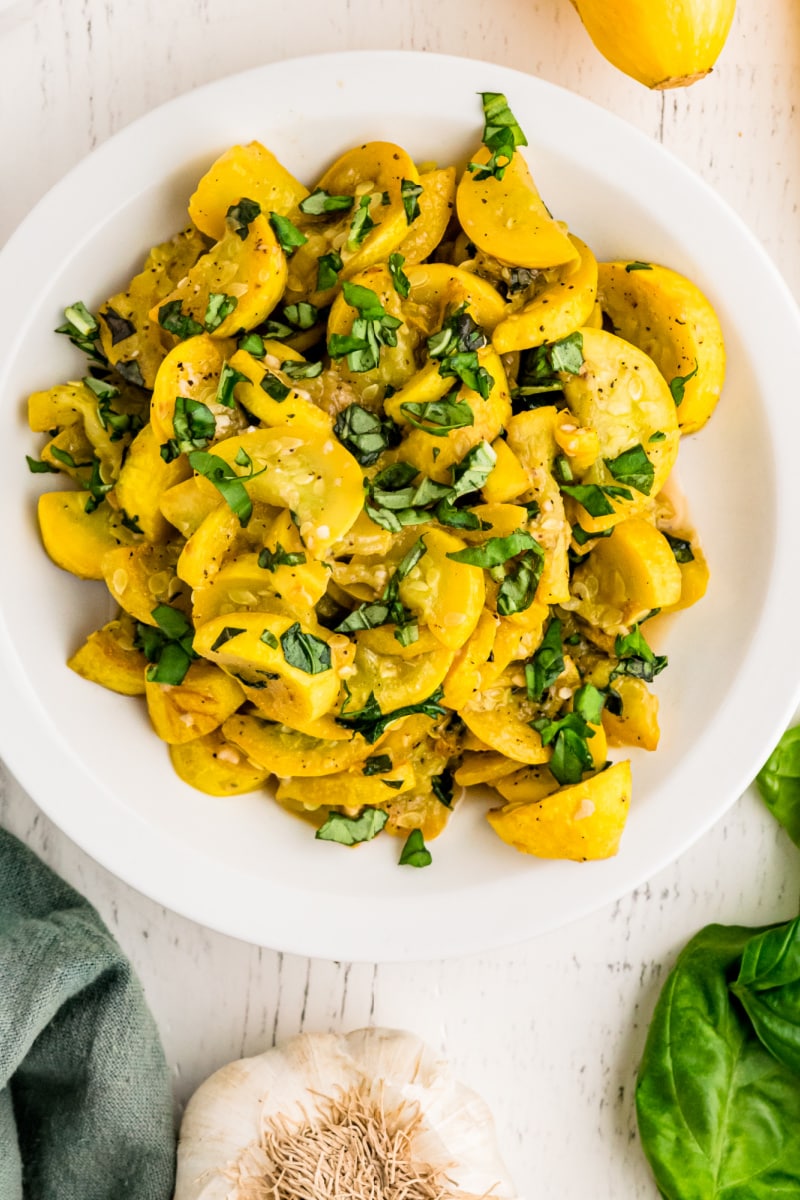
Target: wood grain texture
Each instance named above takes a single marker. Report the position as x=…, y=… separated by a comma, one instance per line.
x=551, y=1031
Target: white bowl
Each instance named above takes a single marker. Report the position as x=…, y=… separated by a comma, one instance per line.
x=243, y=865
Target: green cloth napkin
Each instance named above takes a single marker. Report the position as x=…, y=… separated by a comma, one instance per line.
x=85, y=1106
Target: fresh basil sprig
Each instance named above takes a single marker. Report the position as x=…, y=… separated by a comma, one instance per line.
x=501, y=134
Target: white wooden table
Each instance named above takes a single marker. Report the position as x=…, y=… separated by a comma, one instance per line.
x=550, y=1031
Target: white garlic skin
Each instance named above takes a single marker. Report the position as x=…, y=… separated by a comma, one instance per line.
x=222, y=1126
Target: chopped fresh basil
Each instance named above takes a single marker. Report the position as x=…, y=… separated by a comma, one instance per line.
x=636, y=657
x=369, y=615
x=467, y=368
x=131, y=523
x=66, y=459
x=175, y=321
x=302, y=315
x=101, y=388
x=638, y=266
x=571, y=754
x=681, y=548
x=274, y=387
x=328, y=268
x=39, y=467
x=371, y=722
x=118, y=326
x=438, y=417
x=270, y=560
x=415, y=853
x=442, y=787
x=400, y=280
x=288, y=235
x=582, y=537
x=301, y=370
x=268, y=638
x=226, y=635
x=677, y=386
x=458, y=334
x=501, y=134
x=83, y=331
x=388, y=608
x=194, y=426
x=588, y=702
x=520, y=278
x=633, y=469
x=546, y=664
x=496, y=551
x=377, y=764
x=349, y=831
x=658, y=436
x=518, y=589
x=240, y=216
x=394, y=784
x=361, y=225
x=304, y=651
x=319, y=203
x=540, y=367
x=411, y=193
x=365, y=434
x=457, y=518
x=277, y=330
x=594, y=497
x=253, y=343
x=229, y=485
x=372, y=328
x=131, y=372
x=394, y=500
x=475, y=467
x=228, y=378
x=562, y=469
x=168, y=647
x=219, y=307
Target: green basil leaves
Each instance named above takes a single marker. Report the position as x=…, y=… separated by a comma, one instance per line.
x=778, y=781
x=501, y=134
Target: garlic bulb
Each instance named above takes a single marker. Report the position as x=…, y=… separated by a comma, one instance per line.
x=373, y=1114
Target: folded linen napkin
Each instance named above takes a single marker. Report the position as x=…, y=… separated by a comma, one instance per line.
x=85, y=1107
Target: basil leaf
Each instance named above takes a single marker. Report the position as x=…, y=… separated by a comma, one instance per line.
x=253, y=343
x=349, y=831
x=270, y=560
x=118, y=326
x=226, y=635
x=474, y=469
x=240, y=216
x=302, y=315
x=465, y=366
x=677, y=386
x=438, y=417
x=174, y=320
x=37, y=467
x=520, y=278
x=518, y=589
x=361, y=225
x=373, y=328
x=496, y=551
x=636, y=657
x=540, y=367
x=369, y=615
x=328, y=268
x=98, y=489
x=456, y=518
x=718, y=1115
x=589, y=702
x=442, y=787
x=638, y=266
x=83, y=331
x=501, y=134
x=400, y=280
x=415, y=853
x=365, y=434
x=546, y=664
x=590, y=496
x=681, y=548
x=131, y=523
x=410, y=193
x=193, y=422
x=370, y=722
x=658, y=436
x=301, y=370
x=269, y=639
x=768, y=987
x=458, y=334
x=229, y=485
x=571, y=754
x=274, y=387
x=101, y=388
x=778, y=782
x=377, y=764
x=168, y=647
x=228, y=378
x=633, y=468
x=320, y=202
x=304, y=651
x=288, y=235
x=279, y=331
x=219, y=307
